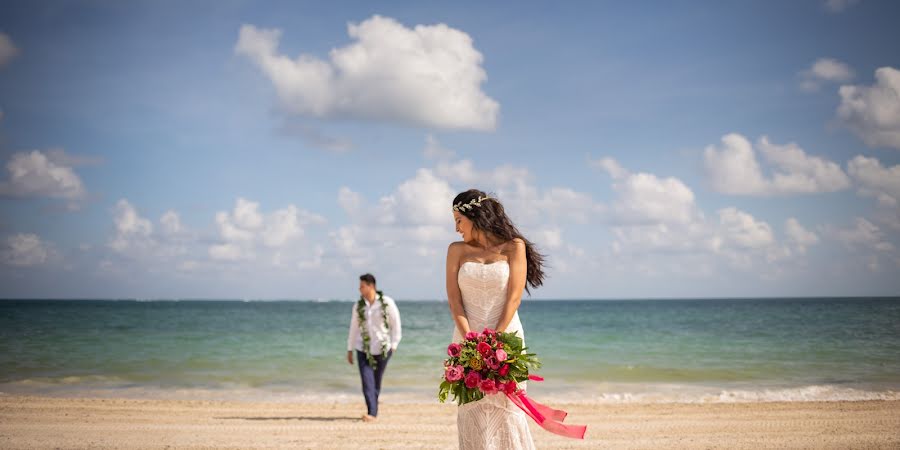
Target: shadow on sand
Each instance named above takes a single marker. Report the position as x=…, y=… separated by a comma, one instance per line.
x=320, y=419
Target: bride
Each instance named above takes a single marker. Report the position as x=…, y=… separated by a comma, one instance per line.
x=486, y=274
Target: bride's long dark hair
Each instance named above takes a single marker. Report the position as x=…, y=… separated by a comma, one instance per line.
x=490, y=217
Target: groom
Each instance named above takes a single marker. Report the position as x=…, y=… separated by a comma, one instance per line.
x=374, y=335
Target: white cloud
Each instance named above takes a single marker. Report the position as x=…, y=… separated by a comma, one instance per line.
x=249, y=240
x=555, y=204
x=664, y=239
x=132, y=230
x=658, y=227
x=734, y=169
x=429, y=75
x=25, y=250
x=7, y=49
x=836, y=6
x=137, y=240
x=461, y=172
x=611, y=166
x=882, y=183
x=245, y=226
x=800, y=237
x=867, y=240
x=862, y=234
x=434, y=149
x=745, y=241
x=645, y=205
x=875, y=180
x=407, y=223
x=522, y=200
x=171, y=222
x=464, y=175
x=414, y=222
x=231, y=231
x=315, y=261
x=348, y=242
x=748, y=243
x=644, y=198
x=799, y=172
x=873, y=112
x=129, y=222
x=825, y=70
x=246, y=214
x=743, y=230
x=283, y=225
x=349, y=200
x=548, y=238
x=417, y=202
x=737, y=237
x=423, y=200
x=33, y=174
x=228, y=252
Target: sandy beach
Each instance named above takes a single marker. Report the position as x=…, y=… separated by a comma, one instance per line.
x=44, y=422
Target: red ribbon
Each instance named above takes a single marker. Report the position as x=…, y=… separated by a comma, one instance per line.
x=548, y=418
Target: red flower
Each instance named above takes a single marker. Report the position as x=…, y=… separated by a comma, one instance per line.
x=471, y=336
x=454, y=349
x=453, y=373
x=484, y=348
x=473, y=379
x=488, y=386
x=492, y=362
x=510, y=388
x=488, y=332
x=504, y=370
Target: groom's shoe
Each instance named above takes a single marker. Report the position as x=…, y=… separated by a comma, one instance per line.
x=368, y=418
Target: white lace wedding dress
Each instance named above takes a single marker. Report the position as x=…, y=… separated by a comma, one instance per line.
x=493, y=422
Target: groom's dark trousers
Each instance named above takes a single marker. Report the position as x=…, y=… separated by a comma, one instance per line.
x=371, y=378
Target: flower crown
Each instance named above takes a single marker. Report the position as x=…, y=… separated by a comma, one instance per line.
x=468, y=206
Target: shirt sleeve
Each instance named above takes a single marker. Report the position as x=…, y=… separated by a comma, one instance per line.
x=394, y=320
x=353, y=335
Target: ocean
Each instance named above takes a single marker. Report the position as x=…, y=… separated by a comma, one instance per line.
x=680, y=350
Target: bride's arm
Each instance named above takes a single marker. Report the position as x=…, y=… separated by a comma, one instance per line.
x=518, y=270
x=454, y=297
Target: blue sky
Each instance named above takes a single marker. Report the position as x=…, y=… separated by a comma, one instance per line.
x=280, y=149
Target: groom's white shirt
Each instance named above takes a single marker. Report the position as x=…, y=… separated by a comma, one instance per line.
x=375, y=325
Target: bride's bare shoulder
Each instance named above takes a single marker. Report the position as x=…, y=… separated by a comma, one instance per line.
x=456, y=248
x=513, y=246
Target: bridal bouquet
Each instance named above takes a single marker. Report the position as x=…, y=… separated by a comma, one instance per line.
x=485, y=363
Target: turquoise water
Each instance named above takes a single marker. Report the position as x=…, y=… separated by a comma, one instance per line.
x=634, y=350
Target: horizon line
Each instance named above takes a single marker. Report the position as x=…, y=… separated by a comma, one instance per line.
x=323, y=300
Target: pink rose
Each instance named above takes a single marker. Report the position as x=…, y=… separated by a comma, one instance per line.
x=471, y=336
x=454, y=349
x=500, y=354
x=488, y=386
x=453, y=374
x=492, y=362
x=484, y=348
x=473, y=379
x=488, y=332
